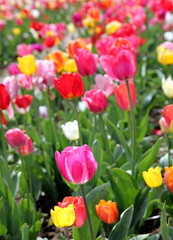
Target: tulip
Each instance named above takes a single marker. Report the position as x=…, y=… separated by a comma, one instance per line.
x=79, y=208
x=165, y=53
x=70, y=66
x=16, y=138
x=153, y=177
x=4, y=97
x=46, y=69
x=167, y=86
x=11, y=86
x=76, y=164
x=107, y=211
x=13, y=69
x=43, y=111
x=121, y=95
x=74, y=45
x=112, y=27
x=23, y=101
x=71, y=130
x=27, y=64
x=120, y=66
x=63, y=217
x=59, y=58
x=69, y=85
x=86, y=62
x=24, y=49
x=167, y=113
x=28, y=147
x=25, y=81
x=165, y=127
x=168, y=178
x=95, y=100
x=104, y=83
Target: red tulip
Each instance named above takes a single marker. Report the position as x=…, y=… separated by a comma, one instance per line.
x=120, y=66
x=96, y=100
x=28, y=147
x=69, y=85
x=86, y=62
x=3, y=120
x=168, y=113
x=4, y=97
x=23, y=101
x=121, y=95
x=79, y=208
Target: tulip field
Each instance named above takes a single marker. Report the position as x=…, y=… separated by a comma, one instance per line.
x=86, y=120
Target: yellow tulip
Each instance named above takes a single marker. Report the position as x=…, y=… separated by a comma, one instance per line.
x=112, y=27
x=165, y=56
x=27, y=64
x=70, y=66
x=63, y=217
x=153, y=177
x=16, y=31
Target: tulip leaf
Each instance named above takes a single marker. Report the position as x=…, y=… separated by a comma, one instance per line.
x=120, y=230
x=140, y=237
x=25, y=232
x=93, y=198
x=149, y=157
x=15, y=177
x=164, y=225
x=143, y=127
x=124, y=188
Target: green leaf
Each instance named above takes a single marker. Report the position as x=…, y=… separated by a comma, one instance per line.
x=124, y=188
x=3, y=230
x=164, y=225
x=121, y=140
x=143, y=127
x=93, y=198
x=97, y=151
x=149, y=157
x=25, y=232
x=34, y=135
x=15, y=177
x=120, y=230
x=140, y=237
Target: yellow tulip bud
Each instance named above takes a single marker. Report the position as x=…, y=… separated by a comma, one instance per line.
x=70, y=66
x=63, y=217
x=167, y=86
x=153, y=177
x=27, y=64
x=112, y=27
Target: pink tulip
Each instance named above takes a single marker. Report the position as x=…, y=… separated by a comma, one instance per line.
x=104, y=83
x=76, y=164
x=28, y=147
x=121, y=95
x=95, y=100
x=25, y=81
x=11, y=86
x=13, y=69
x=24, y=49
x=16, y=138
x=86, y=62
x=46, y=69
x=120, y=66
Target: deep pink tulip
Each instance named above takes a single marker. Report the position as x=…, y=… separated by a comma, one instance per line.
x=28, y=147
x=121, y=95
x=13, y=69
x=95, y=100
x=86, y=62
x=76, y=164
x=16, y=138
x=120, y=66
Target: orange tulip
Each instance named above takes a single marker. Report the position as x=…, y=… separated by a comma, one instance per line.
x=107, y=211
x=168, y=178
x=59, y=58
x=74, y=45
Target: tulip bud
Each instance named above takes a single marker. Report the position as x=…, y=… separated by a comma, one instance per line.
x=167, y=86
x=153, y=177
x=43, y=111
x=71, y=130
x=15, y=138
x=168, y=178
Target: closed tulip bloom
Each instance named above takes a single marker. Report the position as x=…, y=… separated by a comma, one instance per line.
x=27, y=64
x=4, y=97
x=165, y=53
x=23, y=101
x=121, y=95
x=168, y=178
x=16, y=138
x=63, y=217
x=153, y=177
x=59, y=58
x=76, y=164
x=28, y=147
x=74, y=45
x=167, y=86
x=107, y=211
x=69, y=85
x=120, y=66
x=71, y=130
x=95, y=100
x=12, y=86
x=79, y=207
x=86, y=62
x=167, y=113
x=165, y=127
x=46, y=69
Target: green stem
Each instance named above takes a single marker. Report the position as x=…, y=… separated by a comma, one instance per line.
x=67, y=233
x=105, y=135
x=133, y=129
x=78, y=120
x=87, y=212
x=2, y=138
x=169, y=148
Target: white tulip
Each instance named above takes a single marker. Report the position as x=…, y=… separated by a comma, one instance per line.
x=168, y=36
x=167, y=86
x=169, y=18
x=71, y=130
x=43, y=111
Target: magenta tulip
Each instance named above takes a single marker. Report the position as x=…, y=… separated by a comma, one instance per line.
x=95, y=100
x=86, y=62
x=16, y=138
x=76, y=164
x=120, y=66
